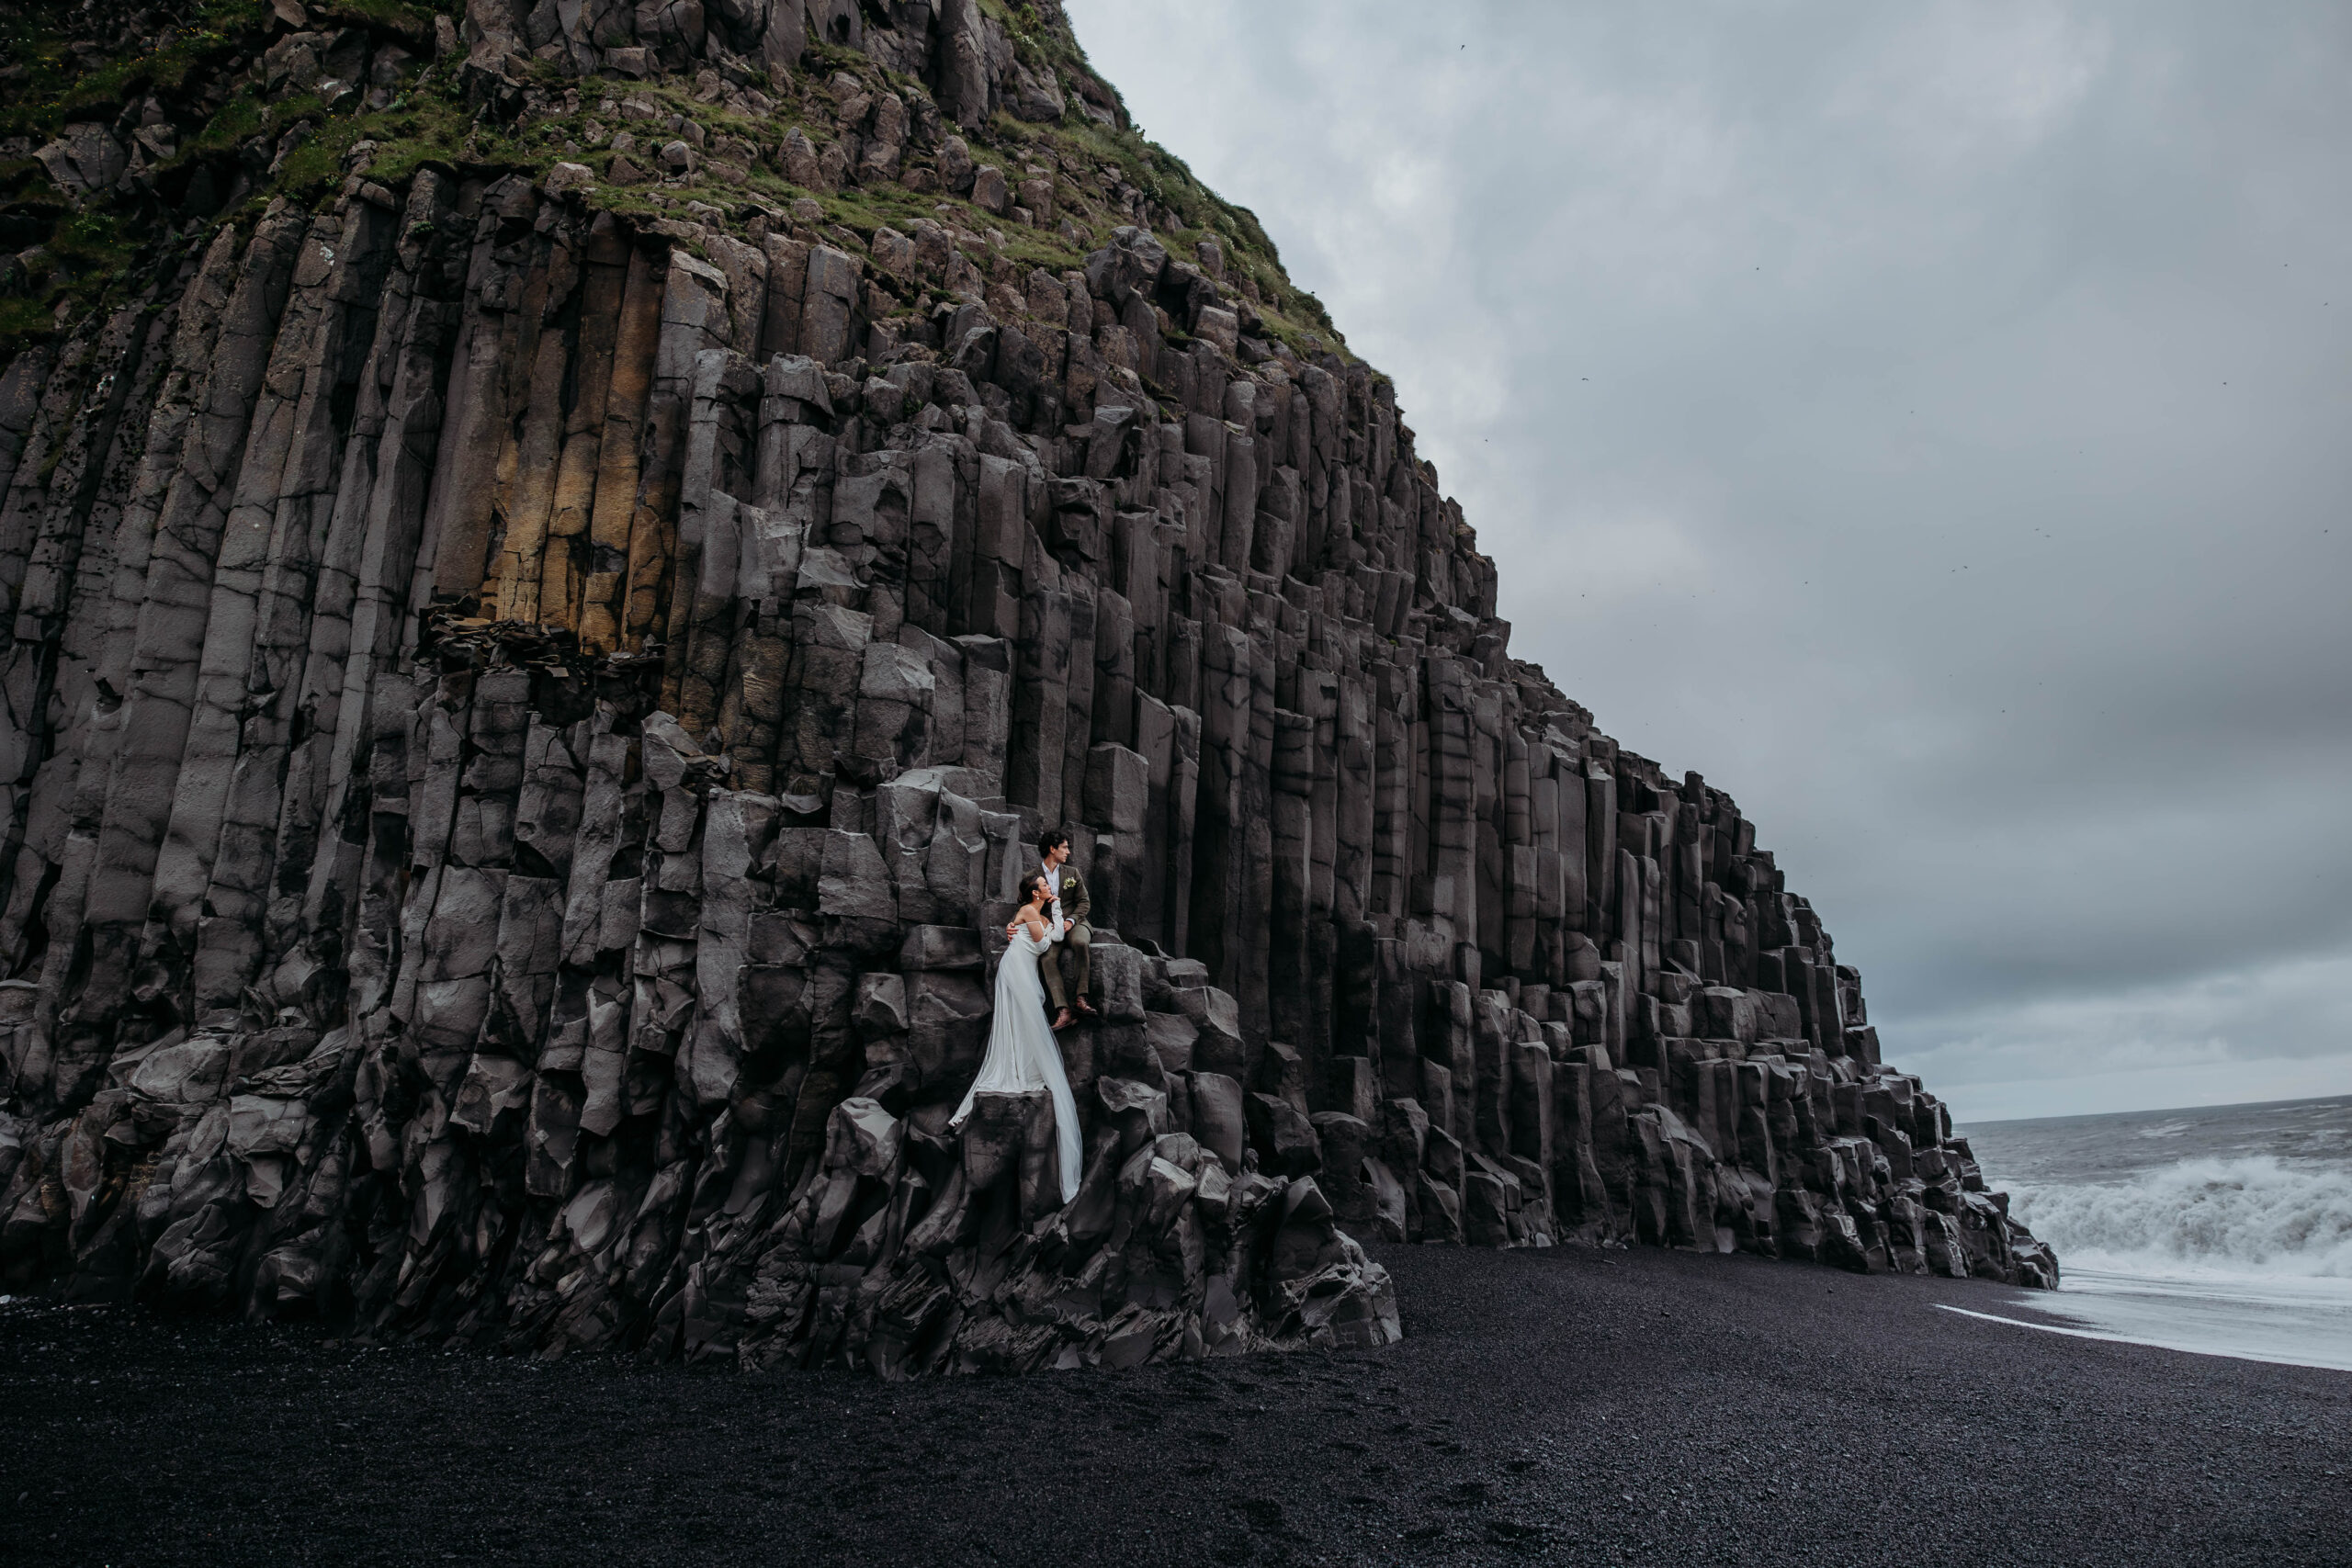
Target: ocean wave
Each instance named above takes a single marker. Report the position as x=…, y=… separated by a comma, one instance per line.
x=2256, y=1214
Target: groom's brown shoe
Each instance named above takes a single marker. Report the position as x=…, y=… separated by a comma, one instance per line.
x=1062, y=1018
x=1085, y=1006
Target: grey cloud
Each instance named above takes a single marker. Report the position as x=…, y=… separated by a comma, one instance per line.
x=1926, y=421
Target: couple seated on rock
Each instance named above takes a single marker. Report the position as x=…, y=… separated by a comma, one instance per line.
x=1066, y=904
x=1023, y=1058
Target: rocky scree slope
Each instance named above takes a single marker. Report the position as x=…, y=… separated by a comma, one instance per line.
x=556, y=573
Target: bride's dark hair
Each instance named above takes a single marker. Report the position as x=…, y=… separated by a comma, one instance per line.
x=1036, y=879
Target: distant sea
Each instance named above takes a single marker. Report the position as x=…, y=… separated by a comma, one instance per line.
x=2225, y=1230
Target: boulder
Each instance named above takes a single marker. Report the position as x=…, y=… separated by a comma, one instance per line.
x=1218, y=1120
x=1282, y=1136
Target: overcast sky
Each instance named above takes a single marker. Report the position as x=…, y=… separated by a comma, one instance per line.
x=1932, y=422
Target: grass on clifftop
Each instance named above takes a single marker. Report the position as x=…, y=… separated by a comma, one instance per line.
x=92, y=254
x=54, y=95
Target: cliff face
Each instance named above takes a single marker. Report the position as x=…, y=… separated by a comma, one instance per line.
x=559, y=558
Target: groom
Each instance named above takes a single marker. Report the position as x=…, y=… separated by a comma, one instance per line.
x=1071, y=906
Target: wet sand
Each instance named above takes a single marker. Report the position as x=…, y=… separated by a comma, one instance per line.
x=1570, y=1404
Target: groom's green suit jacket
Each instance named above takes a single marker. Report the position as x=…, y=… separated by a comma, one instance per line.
x=1076, y=903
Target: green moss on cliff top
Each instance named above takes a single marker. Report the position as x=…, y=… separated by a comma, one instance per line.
x=55, y=94
x=430, y=123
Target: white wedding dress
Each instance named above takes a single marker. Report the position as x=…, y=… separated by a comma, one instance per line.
x=1022, y=1056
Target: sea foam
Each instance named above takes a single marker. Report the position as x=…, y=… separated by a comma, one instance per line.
x=2256, y=1216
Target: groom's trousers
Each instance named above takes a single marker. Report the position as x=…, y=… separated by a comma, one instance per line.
x=1080, y=943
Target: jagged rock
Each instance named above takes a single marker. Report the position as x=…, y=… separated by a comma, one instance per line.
x=988, y=190
x=955, y=167
x=1281, y=1134
x=567, y=179
x=85, y=158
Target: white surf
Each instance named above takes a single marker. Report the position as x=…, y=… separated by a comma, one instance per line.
x=2180, y=1229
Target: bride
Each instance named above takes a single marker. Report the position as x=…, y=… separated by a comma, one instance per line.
x=1022, y=1056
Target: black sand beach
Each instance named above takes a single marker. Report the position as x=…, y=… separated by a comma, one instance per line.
x=1574, y=1404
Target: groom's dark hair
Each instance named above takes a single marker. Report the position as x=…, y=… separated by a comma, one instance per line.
x=1051, y=840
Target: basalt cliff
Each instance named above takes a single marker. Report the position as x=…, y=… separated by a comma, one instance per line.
x=558, y=557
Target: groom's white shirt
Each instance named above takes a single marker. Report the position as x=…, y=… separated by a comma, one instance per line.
x=1054, y=881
